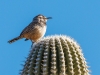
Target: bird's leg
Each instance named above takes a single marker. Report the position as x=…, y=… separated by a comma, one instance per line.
x=32, y=43
x=26, y=39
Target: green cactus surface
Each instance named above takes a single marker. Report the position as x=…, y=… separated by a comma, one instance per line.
x=55, y=55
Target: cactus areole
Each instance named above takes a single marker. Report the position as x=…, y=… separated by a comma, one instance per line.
x=55, y=55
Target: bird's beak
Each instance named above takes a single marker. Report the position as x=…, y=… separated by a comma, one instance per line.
x=49, y=18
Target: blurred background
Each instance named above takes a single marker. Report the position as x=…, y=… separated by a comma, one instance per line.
x=79, y=19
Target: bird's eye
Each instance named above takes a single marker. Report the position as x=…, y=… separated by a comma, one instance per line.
x=40, y=17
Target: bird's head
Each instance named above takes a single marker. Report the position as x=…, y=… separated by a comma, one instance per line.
x=41, y=18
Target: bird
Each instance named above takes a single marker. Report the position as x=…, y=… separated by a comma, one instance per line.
x=35, y=30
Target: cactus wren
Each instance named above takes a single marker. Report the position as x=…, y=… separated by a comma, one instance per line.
x=35, y=30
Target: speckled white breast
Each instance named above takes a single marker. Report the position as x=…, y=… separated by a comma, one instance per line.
x=42, y=31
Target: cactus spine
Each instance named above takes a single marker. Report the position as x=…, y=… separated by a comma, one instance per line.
x=55, y=55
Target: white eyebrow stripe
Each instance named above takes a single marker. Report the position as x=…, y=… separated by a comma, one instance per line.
x=40, y=16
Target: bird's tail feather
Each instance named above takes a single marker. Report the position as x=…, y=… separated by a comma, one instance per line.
x=15, y=39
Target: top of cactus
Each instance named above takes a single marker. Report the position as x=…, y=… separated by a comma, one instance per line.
x=68, y=38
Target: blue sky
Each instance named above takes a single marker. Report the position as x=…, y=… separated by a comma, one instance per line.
x=79, y=19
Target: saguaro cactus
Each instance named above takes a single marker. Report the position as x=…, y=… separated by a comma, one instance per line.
x=55, y=55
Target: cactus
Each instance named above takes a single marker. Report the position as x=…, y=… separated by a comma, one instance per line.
x=55, y=55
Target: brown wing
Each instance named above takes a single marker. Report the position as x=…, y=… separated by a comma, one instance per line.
x=28, y=29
